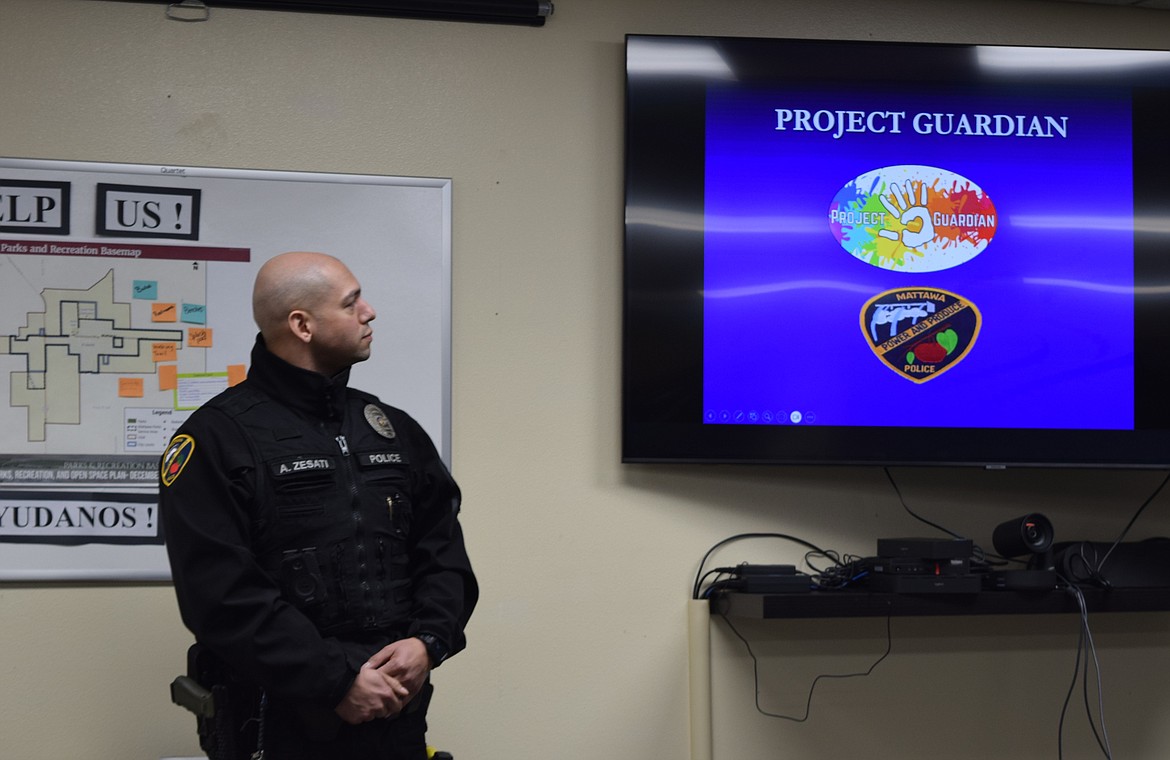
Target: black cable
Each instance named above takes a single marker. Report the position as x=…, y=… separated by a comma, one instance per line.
x=832, y=556
x=695, y=593
x=847, y=571
x=1102, y=737
x=812, y=688
x=1090, y=569
x=1132, y=520
x=721, y=583
x=716, y=571
x=1088, y=647
x=911, y=512
x=1082, y=567
x=1068, y=695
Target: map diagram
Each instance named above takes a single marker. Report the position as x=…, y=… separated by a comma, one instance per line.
x=95, y=357
x=80, y=332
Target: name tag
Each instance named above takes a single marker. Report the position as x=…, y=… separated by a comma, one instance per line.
x=304, y=464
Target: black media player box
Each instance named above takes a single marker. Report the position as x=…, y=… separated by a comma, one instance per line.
x=925, y=548
x=773, y=579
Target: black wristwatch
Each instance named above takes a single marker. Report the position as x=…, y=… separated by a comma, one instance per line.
x=436, y=649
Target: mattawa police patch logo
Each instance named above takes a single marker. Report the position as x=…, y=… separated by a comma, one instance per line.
x=379, y=421
x=178, y=454
x=920, y=333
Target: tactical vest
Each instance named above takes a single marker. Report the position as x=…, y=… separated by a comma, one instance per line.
x=333, y=511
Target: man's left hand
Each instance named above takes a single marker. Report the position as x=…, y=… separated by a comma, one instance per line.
x=406, y=660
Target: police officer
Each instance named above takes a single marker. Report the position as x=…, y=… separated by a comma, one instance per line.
x=313, y=536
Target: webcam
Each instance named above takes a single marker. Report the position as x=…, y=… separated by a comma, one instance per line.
x=1029, y=535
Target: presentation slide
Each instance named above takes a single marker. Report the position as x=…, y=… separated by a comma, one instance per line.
x=902, y=257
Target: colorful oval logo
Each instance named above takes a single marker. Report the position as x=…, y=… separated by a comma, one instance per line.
x=913, y=218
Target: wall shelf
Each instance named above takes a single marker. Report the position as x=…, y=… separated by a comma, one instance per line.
x=837, y=604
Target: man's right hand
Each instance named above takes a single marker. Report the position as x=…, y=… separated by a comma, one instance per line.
x=374, y=694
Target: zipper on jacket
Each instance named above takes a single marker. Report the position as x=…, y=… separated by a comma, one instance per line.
x=361, y=552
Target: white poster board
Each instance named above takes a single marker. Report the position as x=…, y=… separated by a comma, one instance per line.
x=125, y=302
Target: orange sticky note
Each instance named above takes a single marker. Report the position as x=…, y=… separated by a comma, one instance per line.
x=164, y=352
x=199, y=337
x=236, y=374
x=163, y=312
x=168, y=377
x=130, y=387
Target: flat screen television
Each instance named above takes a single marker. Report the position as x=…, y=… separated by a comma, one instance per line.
x=895, y=253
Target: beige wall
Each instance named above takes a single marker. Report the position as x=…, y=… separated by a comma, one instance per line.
x=578, y=649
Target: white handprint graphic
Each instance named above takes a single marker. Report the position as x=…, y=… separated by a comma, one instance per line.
x=910, y=213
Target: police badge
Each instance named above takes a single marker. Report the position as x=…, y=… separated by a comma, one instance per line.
x=379, y=421
x=920, y=333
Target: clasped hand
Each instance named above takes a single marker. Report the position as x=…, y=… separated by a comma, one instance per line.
x=386, y=682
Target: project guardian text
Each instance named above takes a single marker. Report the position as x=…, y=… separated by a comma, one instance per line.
x=841, y=122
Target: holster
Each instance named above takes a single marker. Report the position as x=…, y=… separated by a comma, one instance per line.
x=229, y=730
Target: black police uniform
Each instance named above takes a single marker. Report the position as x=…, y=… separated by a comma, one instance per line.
x=308, y=525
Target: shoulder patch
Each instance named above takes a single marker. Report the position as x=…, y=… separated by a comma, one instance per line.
x=178, y=453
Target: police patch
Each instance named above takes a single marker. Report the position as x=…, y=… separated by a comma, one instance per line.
x=379, y=421
x=920, y=333
x=176, y=457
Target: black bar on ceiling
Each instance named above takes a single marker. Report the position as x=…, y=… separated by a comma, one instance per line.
x=520, y=12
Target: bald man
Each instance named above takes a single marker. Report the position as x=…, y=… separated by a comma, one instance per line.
x=314, y=539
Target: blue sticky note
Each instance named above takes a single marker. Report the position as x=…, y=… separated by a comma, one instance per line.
x=146, y=289
x=194, y=314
